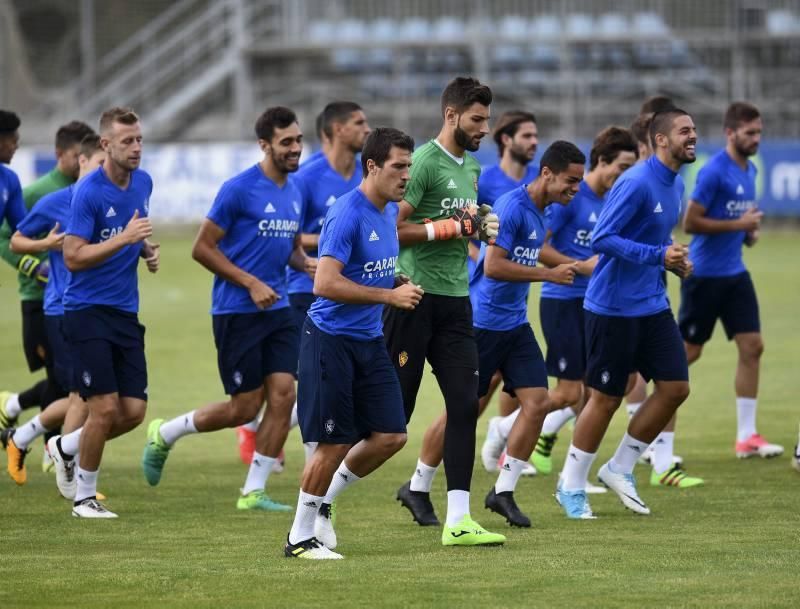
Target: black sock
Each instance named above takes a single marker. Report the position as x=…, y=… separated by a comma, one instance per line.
x=33, y=395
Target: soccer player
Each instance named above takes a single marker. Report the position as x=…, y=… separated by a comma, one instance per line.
x=33, y=273
x=723, y=215
x=49, y=217
x=569, y=239
x=350, y=401
x=104, y=240
x=249, y=236
x=629, y=324
x=437, y=216
x=12, y=207
x=517, y=137
x=504, y=336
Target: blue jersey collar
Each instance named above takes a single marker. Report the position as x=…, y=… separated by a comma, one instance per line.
x=663, y=173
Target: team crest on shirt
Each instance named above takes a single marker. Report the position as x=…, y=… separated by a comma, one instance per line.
x=329, y=426
x=605, y=377
x=402, y=358
x=87, y=378
x=237, y=378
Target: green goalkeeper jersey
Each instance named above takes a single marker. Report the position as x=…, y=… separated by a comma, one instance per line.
x=29, y=287
x=440, y=184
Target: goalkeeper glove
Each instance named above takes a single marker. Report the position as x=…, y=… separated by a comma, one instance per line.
x=31, y=266
x=463, y=223
x=488, y=224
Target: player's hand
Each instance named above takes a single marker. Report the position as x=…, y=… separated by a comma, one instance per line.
x=684, y=270
x=401, y=279
x=586, y=267
x=563, y=274
x=751, y=238
x=152, y=256
x=750, y=220
x=310, y=266
x=54, y=240
x=676, y=256
x=467, y=221
x=262, y=295
x=138, y=229
x=489, y=224
x=406, y=296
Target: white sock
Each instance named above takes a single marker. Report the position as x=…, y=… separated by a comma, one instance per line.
x=576, y=469
x=309, y=448
x=663, y=447
x=507, y=422
x=745, y=418
x=12, y=406
x=422, y=480
x=509, y=474
x=632, y=408
x=87, y=484
x=457, y=506
x=628, y=452
x=303, y=525
x=293, y=422
x=554, y=421
x=178, y=427
x=252, y=425
x=29, y=432
x=260, y=468
x=341, y=480
x=70, y=442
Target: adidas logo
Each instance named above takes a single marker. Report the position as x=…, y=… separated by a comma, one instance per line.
x=532, y=235
x=110, y=213
x=658, y=209
x=269, y=209
x=331, y=200
x=374, y=236
x=451, y=184
x=740, y=190
x=593, y=217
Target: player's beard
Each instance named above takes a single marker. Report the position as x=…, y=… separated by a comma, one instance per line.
x=679, y=152
x=745, y=152
x=284, y=165
x=464, y=140
x=520, y=156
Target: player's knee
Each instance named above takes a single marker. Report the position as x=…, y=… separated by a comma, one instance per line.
x=136, y=414
x=244, y=408
x=605, y=403
x=572, y=392
x=392, y=443
x=282, y=398
x=103, y=410
x=693, y=352
x=752, y=348
x=679, y=392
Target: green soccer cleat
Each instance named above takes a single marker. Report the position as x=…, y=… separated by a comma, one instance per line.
x=258, y=500
x=469, y=533
x=155, y=454
x=541, y=457
x=674, y=476
x=6, y=421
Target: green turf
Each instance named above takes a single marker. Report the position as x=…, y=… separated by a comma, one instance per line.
x=732, y=543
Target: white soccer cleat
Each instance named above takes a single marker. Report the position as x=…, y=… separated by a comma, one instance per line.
x=310, y=549
x=65, y=470
x=323, y=526
x=92, y=508
x=624, y=485
x=593, y=489
x=493, y=446
x=528, y=470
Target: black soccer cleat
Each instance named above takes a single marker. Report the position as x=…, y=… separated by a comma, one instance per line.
x=504, y=504
x=419, y=504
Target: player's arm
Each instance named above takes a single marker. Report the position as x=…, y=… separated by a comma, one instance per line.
x=695, y=221
x=498, y=266
x=299, y=261
x=309, y=241
x=22, y=244
x=80, y=255
x=15, y=211
x=331, y=284
x=550, y=256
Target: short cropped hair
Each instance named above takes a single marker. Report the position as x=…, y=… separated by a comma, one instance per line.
x=276, y=117
x=609, y=143
x=90, y=144
x=337, y=112
x=318, y=123
x=72, y=134
x=117, y=114
x=461, y=92
x=9, y=122
x=508, y=124
x=379, y=144
x=560, y=155
x=656, y=103
x=640, y=128
x=738, y=113
x=662, y=122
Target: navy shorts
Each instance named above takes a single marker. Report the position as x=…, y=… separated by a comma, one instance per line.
x=251, y=346
x=617, y=346
x=706, y=299
x=108, y=351
x=60, y=352
x=564, y=333
x=300, y=303
x=34, y=336
x=515, y=353
x=347, y=389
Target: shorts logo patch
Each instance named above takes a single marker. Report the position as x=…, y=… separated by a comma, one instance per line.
x=692, y=330
x=402, y=358
x=237, y=378
x=329, y=426
x=605, y=377
x=87, y=378
x=562, y=364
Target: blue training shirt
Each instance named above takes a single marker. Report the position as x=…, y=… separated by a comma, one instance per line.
x=261, y=221
x=726, y=191
x=572, y=226
x=12, y=206
x=365, y=240
x=320, y=185
x=51, y=208
x=503, y=305
x=494, y=182
x=632, y=236
x=100, y=210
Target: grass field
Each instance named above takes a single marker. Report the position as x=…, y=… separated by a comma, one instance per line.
x=733, y=542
